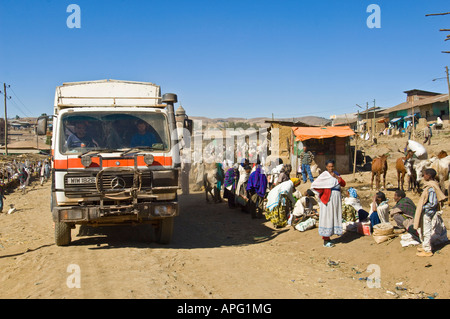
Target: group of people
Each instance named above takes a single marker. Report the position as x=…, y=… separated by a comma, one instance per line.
x=248, y=187
x=421, y=221
x=22, y=171
x=427, y=133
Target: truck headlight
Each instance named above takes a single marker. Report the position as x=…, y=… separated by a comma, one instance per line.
x=70, y=214
x=148, y=159
x=165, y=210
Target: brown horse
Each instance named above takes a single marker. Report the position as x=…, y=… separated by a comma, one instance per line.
x=379, y=167
x=401, y=170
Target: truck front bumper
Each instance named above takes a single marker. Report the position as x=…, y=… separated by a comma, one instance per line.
x=140, y=212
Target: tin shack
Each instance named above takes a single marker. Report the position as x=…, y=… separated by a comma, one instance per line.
x=326, y=143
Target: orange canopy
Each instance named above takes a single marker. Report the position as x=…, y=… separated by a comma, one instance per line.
x=306, y=133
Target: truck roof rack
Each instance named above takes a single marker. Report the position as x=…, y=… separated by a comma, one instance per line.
x=114, y=101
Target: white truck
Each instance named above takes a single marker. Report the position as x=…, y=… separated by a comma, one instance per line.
x=115, y=158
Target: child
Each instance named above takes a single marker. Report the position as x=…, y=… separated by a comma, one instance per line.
x=426, y=210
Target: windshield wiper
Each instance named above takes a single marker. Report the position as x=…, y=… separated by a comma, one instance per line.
x=96, y=151
x=137, y=150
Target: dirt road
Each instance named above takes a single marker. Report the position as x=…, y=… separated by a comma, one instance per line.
x=216, y=252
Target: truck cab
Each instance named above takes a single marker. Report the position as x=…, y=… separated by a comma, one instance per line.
x=115, y=159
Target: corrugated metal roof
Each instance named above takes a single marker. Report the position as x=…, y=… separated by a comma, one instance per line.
x=306, y=133
x=408, y=105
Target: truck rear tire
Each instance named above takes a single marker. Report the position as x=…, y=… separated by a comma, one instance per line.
x=164, y=231
x=62, y=234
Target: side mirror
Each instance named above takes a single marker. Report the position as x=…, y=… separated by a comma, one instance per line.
x=41, y=125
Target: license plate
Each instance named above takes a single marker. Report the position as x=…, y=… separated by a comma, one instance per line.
x=81, y=180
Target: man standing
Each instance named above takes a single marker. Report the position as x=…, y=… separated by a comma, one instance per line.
x=409, y=130
x=426, y=211
x=306, y=159
x=427, y=134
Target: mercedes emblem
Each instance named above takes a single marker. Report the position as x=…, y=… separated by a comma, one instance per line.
x=118, y=183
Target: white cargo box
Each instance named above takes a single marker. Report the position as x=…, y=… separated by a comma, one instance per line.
x=107, y=93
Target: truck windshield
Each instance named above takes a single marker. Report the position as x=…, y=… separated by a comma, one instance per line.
x=86, y=131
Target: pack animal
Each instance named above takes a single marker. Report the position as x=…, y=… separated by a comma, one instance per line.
x=440, y=165
x=379, y=168
x=401, y=170
x=210, y=179
x=315, y=170
x=412, y=175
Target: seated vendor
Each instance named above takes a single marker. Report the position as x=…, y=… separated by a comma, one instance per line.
x=403, y=211
x=352, y=202
x=379, y=209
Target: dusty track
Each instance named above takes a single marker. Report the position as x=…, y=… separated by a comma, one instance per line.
x=216, y=253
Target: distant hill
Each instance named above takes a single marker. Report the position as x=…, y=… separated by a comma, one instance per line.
x=260, y=121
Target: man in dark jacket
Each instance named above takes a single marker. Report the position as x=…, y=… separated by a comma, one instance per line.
x=306, y=159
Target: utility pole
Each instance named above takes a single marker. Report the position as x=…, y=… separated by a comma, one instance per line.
x=374, y=124
x=448, y=84
x=6, y=121
x=367, y=119
x=356, y=146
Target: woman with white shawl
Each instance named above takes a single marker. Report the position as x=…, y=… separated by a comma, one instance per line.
x=274, y=212
x=328, y=189
x=287, y=187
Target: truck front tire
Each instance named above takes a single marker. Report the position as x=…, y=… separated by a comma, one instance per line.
x=62, y=234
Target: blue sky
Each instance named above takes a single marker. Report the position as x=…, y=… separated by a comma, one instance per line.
x=230, y=58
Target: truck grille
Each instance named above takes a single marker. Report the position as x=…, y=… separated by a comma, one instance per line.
x=85, y=183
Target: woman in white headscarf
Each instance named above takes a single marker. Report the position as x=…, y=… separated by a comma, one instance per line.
x=328, y=189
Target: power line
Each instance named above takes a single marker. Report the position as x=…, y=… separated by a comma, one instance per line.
x=18, y=107
x=441, y=14
x=29, y=112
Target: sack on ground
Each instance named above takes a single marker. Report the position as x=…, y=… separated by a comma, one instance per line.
x=439, y=232
x=407, y=240
x=382, y=238
x=307, y=224
x=383, y=229
x=350, y=226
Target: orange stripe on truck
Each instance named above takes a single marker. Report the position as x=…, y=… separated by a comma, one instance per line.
x=76, y=162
